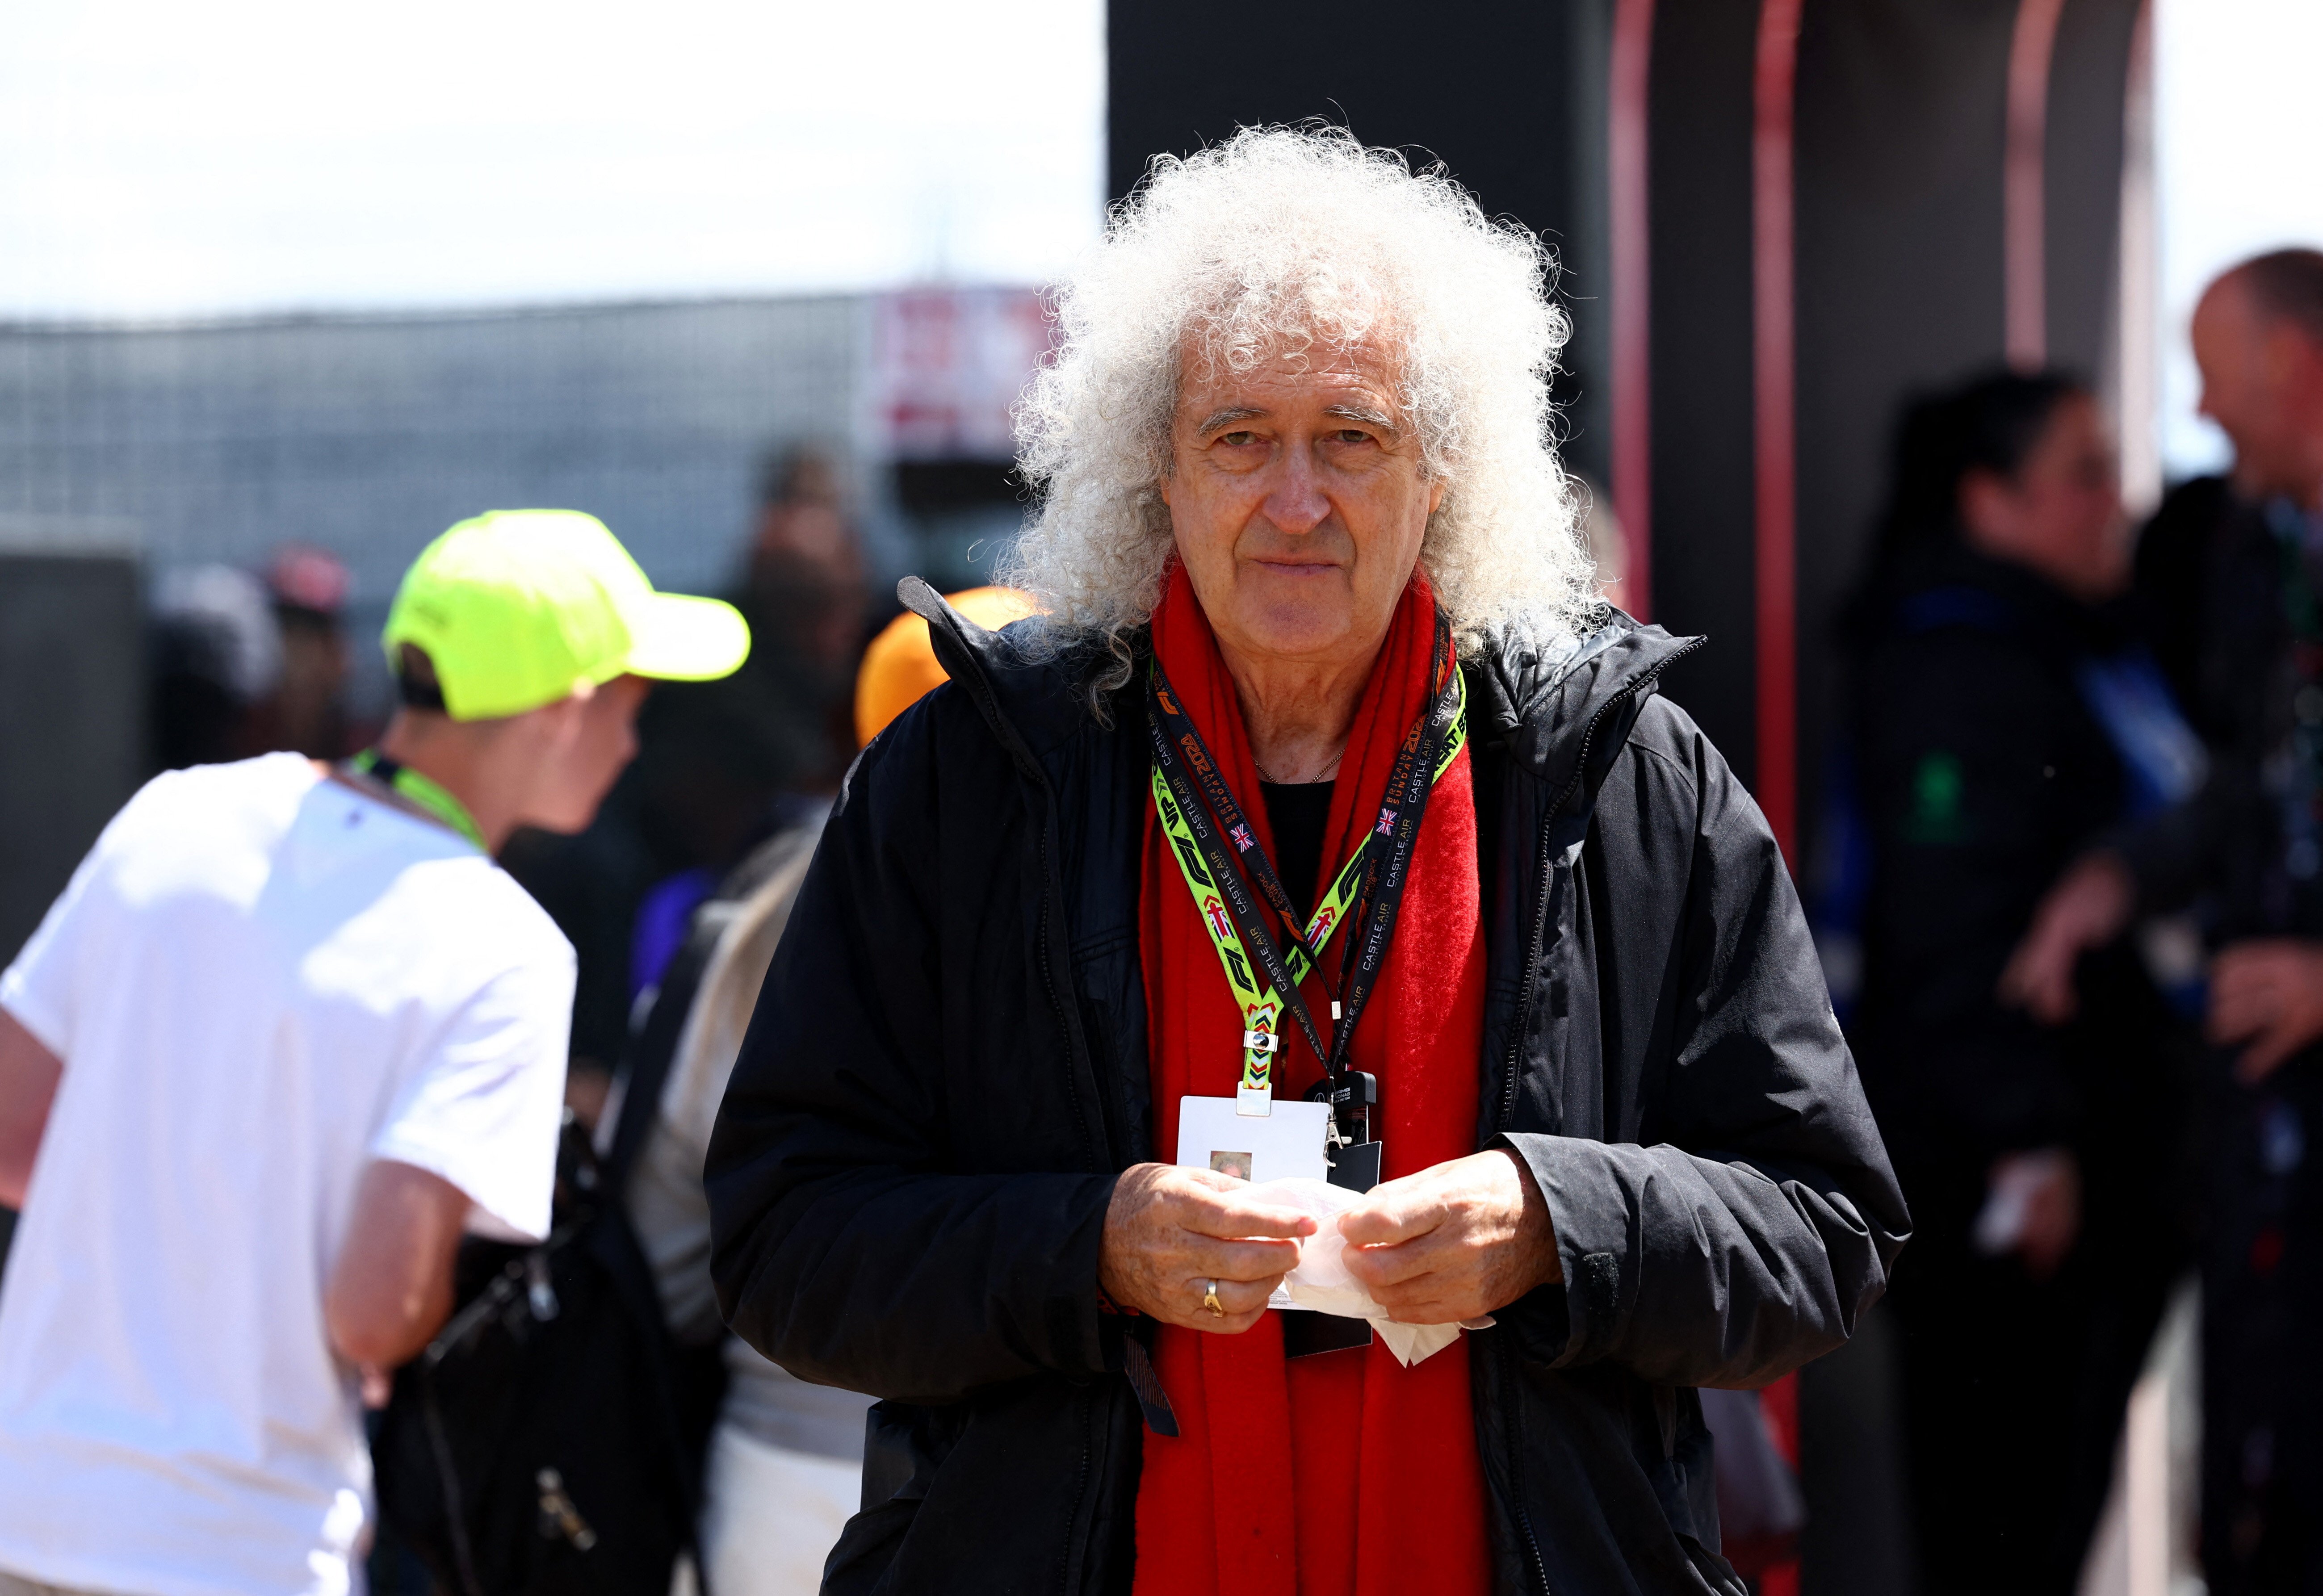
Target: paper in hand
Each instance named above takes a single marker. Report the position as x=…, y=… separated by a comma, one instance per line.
x=1321, y=1280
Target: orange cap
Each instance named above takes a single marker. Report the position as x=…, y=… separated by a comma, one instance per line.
x=900, y=666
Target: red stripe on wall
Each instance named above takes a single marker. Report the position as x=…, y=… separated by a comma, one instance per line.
x=1775, y=451
x=1632, y=286
x=2023, y=183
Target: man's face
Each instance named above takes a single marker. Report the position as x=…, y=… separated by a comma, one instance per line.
x=595, y=741
x=1297, y=501
x=2259, y=383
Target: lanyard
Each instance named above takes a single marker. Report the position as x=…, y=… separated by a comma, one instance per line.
x=1368, y=888
x=430, y=796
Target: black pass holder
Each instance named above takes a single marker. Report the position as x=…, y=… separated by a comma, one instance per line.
x=1355, y=1166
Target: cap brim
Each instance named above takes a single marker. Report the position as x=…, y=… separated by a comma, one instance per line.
x=676, y=637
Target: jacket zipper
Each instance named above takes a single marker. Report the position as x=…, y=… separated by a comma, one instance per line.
x=1536, y=947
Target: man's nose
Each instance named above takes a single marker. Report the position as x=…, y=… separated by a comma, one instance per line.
x=1295, y=502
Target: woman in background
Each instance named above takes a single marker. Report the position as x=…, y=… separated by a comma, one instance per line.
x=2004, y=714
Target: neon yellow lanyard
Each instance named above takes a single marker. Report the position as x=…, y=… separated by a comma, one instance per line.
x=427, y=794
x=1261, y=1003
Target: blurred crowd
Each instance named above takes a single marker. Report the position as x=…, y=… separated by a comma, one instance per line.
x=245, y=663
x=2075, y=807
x=682, y=882
x=2072, y=849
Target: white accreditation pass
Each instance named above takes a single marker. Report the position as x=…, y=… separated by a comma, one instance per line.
x=1212, y=1135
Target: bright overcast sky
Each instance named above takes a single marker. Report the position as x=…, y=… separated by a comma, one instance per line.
x=160, y=158
x=2240, y=157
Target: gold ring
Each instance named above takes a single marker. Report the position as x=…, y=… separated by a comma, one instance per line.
x=1210, y=1300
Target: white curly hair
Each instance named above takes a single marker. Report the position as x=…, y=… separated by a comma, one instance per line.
x=1285, y=237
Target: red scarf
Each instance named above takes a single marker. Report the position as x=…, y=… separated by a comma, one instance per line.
x=1345, y=1473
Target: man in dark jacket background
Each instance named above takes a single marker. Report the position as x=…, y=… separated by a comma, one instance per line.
x=939, y=1140
x=2247, y=849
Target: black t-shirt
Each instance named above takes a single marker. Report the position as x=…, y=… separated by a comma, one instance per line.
x=1298, y=812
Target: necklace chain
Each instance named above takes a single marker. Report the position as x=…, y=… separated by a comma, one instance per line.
x=1273, y=779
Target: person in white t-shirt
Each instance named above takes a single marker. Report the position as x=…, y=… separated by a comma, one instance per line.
x=288, y=1035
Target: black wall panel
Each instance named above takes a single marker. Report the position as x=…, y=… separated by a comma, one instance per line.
x=72, y=719
x=2084, y=180
x=1902, y=122
x=1699, y=149
x=1508, y=96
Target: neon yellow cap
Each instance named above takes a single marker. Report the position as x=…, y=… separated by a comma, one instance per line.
x=517, y=607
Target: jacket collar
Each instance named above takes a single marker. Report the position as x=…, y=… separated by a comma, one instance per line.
x=1559, y=708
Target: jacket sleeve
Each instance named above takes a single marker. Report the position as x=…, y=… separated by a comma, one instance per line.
x=1757, y=1217
x=844, y=1246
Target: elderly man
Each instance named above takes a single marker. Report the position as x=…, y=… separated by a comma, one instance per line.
x=2251, y=843
x=1324, y=825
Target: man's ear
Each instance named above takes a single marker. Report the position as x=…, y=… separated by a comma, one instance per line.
x=563, y=719
x=2296, y=361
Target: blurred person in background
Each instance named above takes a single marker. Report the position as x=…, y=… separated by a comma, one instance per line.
x=806, y=585
x=2171, y=577
x=785, y=1470
x=2248, y=849
x=246, y=665
x=2006, y=713
x=217, y=661
x=285, y=1038
x=721, y=765
x=1295, y=443
x=309, y=715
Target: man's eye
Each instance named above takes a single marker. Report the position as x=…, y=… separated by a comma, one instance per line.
x=1350, y=435
x=1235, y=440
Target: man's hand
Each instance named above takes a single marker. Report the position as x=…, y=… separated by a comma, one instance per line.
x=1169, y=1232
x=2270, y=995
x=2087, y=908
x=2033, y=1199
x=1455, y=1242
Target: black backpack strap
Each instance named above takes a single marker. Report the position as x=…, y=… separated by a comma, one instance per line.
x=652, y=1049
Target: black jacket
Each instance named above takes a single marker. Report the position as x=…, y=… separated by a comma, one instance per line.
x=909, y=1176
x=1980, y=772
x=2227, y=844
